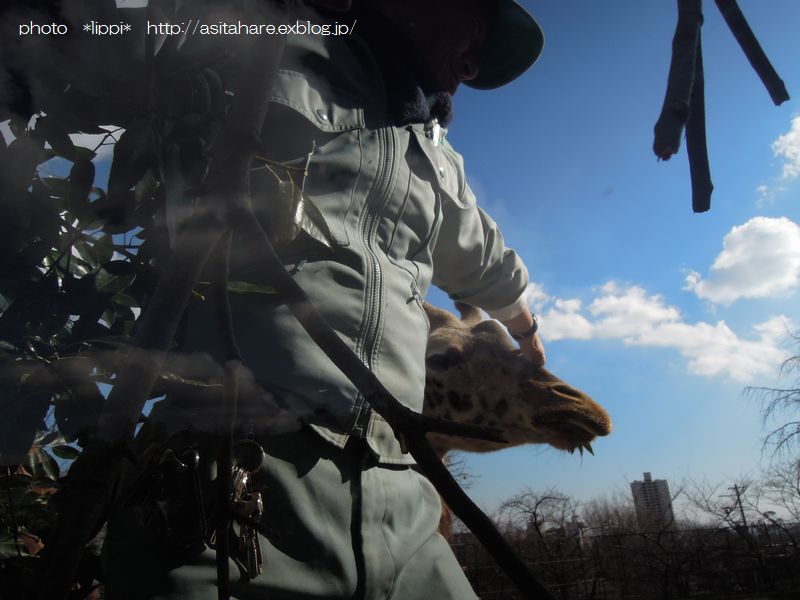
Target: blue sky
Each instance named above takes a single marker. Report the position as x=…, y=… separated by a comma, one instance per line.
x=663, y=316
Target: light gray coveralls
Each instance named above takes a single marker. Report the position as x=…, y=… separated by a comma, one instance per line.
x=351, y=521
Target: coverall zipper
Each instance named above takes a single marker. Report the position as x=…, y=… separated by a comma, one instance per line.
x=372, y=210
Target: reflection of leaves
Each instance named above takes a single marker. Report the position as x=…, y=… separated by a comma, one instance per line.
x=24, y=400
x=245, y=287
x=56, y=136
x=109, y=283
x=313, y=223
x=40, y=464
x=66, y=452
x=292, y=213
x=78, y=405
x=81, y=178
x=133, y=154
x=24, y=154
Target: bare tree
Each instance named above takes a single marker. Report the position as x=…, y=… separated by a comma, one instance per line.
x=610, y=514
x=782, y=404
x=540, y=513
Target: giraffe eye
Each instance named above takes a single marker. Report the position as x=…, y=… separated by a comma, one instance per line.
x=443, y=360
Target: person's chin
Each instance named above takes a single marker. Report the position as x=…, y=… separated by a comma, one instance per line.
x=446, y=83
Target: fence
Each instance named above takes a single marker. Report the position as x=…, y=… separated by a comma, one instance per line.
x=757, y=563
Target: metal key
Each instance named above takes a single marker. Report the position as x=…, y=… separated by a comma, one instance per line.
x=246, y=549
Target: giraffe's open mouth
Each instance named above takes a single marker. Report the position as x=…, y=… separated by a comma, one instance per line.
x=573, y=429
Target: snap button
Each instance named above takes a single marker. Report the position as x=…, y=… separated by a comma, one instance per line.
x=441, y=172
x=322, y=115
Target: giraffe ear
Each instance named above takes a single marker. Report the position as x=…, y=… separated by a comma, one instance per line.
x=437, y=316
x=442, y=361
x=470, y=315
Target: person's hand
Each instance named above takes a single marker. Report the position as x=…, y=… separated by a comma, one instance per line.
x=531, y=345
x=533, y=349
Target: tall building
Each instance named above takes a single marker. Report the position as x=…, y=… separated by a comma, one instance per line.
x=653, y=503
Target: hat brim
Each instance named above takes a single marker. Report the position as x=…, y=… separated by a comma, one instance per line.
x=513, y=46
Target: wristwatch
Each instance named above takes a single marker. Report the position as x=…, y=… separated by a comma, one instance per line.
x=528, y=332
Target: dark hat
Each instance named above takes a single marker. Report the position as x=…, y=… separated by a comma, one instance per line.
x=514, y=44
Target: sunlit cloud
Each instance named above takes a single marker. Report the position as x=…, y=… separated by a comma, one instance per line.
x=787, y=147
x=635, y=318
x=759, y=259
x=536, y=296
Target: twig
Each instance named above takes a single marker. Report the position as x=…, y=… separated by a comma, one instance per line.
x=752, y=50
x=696, y=148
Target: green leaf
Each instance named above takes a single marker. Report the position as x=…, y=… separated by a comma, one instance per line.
x=133, y=154
x=123, y=312
x=245, y=287
x=82, y=153
x=119, y=267
x=313, y=223
x=177, y=379
x=126, y=300
x=109, y=283
x=78, y=406
x=56, y=136
x=41, y=464
x=8, y=549
x=47, y=438
x=66, y=452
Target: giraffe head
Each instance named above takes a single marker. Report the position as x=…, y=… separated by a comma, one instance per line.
x=475, y=374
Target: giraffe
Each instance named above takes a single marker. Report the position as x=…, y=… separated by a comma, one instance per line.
x=475, y=374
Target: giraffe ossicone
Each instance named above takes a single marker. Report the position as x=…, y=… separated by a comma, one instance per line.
x=475, y=374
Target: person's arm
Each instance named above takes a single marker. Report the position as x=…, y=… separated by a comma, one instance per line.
x=473, y=265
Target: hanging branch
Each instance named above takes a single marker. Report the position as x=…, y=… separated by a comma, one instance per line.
x=696, y=148
x=678, y=99
x=752, y=50
x=684, y=104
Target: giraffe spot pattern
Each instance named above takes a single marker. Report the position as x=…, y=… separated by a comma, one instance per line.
x=459, y=403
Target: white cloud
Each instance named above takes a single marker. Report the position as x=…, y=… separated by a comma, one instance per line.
x=715, y=350
x=626, y=312
x=635, y=318
x=564, y=321
x=536, y=296
x=759, y=259
x=787, y=147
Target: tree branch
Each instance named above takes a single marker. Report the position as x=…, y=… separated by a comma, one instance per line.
x=696, y=148
x=677, y=101
x=752, y=50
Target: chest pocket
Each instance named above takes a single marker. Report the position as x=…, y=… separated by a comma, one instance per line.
x=434, y=183
x=312, y=136
x=444, y=165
